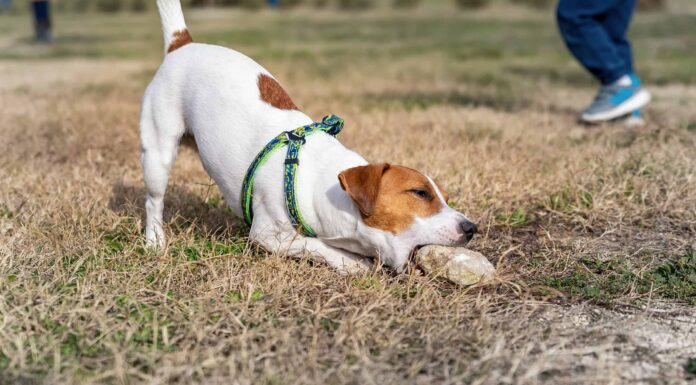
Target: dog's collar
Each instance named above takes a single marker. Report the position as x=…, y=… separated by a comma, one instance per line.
x=294, y=139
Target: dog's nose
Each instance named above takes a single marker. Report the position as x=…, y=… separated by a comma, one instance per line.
x=468, y=229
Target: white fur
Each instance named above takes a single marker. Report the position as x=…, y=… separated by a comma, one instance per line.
x=211, y=92
x=172, y=18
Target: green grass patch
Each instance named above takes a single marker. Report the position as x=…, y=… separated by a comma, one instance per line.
x=516, y=218
x=691, y=365
x=139, y=319
x=5, y=212
x=367, y=283
x=604, y=281
x=568, y=201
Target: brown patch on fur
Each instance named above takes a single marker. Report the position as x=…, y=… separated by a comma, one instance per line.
x=362, y=185
x=273, y=94
x=181, y=38
x=388, y=196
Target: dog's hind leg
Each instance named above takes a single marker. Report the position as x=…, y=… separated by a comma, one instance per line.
x=159, y=139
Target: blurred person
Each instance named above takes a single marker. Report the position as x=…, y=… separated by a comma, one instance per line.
x=5, y=4
x=595, y=33
x=42, y=20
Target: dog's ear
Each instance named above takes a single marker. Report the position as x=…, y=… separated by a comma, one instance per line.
x=362, y=185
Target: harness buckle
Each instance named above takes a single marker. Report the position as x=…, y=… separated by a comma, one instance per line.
x=293, y=137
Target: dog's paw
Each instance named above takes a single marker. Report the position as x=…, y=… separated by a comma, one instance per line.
x=354, y=265
x=154, y=239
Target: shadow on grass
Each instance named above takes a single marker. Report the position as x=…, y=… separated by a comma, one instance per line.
x=182, y=210
x=559, y=75
x=496, y=99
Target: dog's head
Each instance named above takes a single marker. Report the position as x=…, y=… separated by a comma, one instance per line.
x=406, y=208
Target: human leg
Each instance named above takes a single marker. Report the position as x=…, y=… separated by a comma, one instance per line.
x=580, y=24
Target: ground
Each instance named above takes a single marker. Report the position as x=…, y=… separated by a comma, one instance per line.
x=591, y=228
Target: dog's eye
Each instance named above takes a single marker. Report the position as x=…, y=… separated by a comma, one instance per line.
x=420, y=193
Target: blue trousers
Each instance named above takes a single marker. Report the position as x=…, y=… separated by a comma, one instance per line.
x=595, y=33
x=42, y=13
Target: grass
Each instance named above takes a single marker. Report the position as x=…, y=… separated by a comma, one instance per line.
x=591, y=229
x=602, y=281
x=691, y=365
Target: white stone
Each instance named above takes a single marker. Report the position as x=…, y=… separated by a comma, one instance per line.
x=457, y=264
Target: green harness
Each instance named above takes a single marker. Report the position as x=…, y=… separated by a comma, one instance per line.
x=294, y=139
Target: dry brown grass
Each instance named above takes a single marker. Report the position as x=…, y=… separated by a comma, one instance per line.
x=82, y=302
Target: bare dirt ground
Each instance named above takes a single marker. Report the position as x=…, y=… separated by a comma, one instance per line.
x=592, y=229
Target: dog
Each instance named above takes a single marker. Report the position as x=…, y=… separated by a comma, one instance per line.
x=233, y=107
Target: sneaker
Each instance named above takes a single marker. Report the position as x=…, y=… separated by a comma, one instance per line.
x=616, y=100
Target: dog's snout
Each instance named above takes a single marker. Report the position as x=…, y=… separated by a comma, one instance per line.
x=468, y=229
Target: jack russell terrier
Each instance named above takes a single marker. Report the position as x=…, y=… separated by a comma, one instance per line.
x=233, y=107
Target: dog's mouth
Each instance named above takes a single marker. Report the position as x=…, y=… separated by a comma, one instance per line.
x=458, y=243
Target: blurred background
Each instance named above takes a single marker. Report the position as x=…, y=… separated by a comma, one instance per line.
x=481, y=42
x=512, y=33
x=482, y=95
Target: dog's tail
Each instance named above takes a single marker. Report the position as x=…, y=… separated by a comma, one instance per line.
x=176, y=34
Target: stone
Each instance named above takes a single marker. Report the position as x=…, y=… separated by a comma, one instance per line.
x=459, y=265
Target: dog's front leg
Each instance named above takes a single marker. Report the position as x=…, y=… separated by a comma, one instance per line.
x=295, y=245
x=341, y=260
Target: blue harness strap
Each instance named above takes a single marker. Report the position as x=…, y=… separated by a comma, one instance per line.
x=294, y=140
